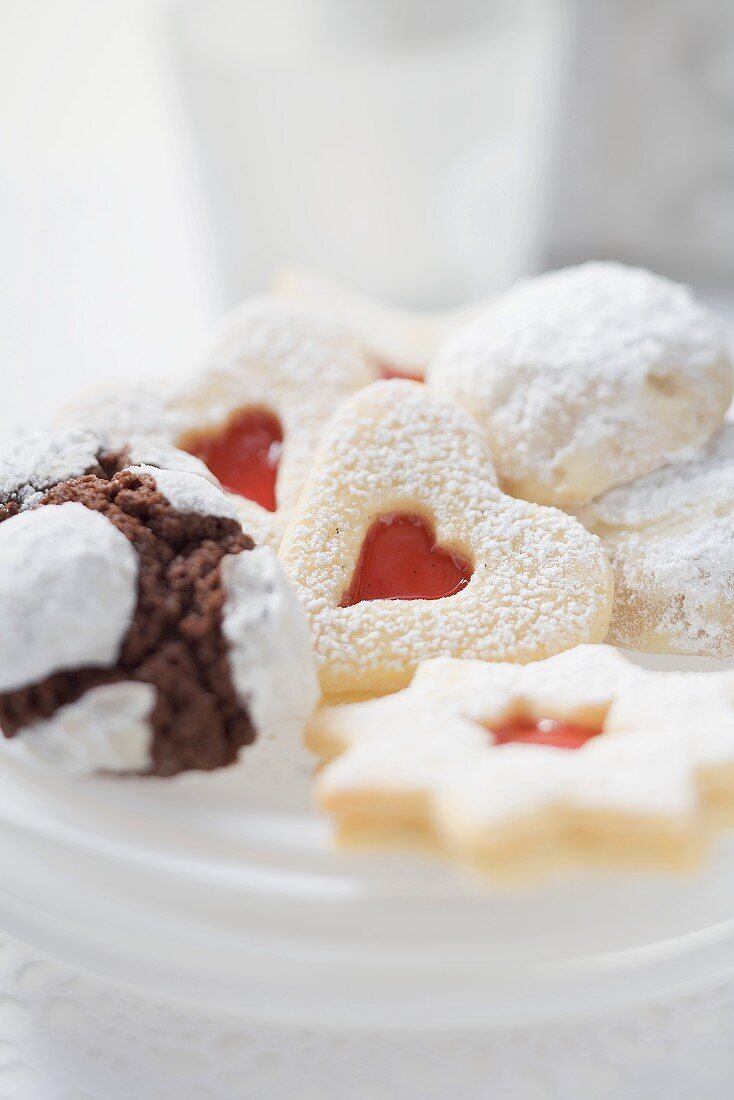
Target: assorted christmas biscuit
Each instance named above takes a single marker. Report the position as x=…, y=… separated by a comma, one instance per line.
x=274, y=374
x=403, y=548
x=586, y=378
x=147, y=626
x=670, y=537
x=140, y=631
x=516, y=770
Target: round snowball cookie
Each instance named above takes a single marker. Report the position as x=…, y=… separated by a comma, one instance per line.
x=140, y=630
x=670, y=537
x=587, y=378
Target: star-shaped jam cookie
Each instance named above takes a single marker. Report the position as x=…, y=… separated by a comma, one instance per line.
x=582, y=758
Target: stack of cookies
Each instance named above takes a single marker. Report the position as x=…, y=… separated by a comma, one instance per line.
x=440, y=519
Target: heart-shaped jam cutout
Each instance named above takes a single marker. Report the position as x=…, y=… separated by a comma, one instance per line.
x=400, y=560
x=388, y=372
x=544, y=731
x=243, y=454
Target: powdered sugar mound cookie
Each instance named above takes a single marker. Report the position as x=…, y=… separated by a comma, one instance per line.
x=404, y=548
x=126, y=641
x=270, y=642
x=68, y=586
x=517, y=770
x=670, y=537
x=401, y=341
x=586, y=378
x=254, y=414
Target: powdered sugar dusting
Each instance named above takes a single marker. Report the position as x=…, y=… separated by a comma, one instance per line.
x=187, y=492
x=670, y=537
x=120, y=412
x=270, y=653
x=540, y=583
x=398, y=338
x=68, y=590
x=587, y=378
x=36, y=462
x=154, y=452
x=107, y=729
x=702, y=483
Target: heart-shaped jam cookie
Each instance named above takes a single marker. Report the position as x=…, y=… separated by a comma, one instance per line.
x=401, y=561
x=494, y=578
x=270, y=381
x=277, y=371
x=243, y=454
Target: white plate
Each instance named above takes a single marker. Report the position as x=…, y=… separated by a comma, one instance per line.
x=227, y=887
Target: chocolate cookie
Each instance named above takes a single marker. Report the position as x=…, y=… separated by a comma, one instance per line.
x=140, y=630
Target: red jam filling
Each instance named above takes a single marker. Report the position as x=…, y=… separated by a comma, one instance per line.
x=244, y=454
x=400, y=560
x=544, y=731
x=388, y=371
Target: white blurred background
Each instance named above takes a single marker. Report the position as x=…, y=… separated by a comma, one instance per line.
x=161, y=158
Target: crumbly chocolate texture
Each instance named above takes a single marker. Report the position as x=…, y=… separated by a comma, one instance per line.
x=175, y=640
x=8, y=508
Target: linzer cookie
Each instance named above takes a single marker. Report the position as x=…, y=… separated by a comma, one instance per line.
x=518, y=770
x=401, y=341
x=139, y=629
x=403, y=548
x=586, y=378
x=670, y=537
x=254, y=415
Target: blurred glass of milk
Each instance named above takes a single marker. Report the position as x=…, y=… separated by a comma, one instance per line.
x=401, y=146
